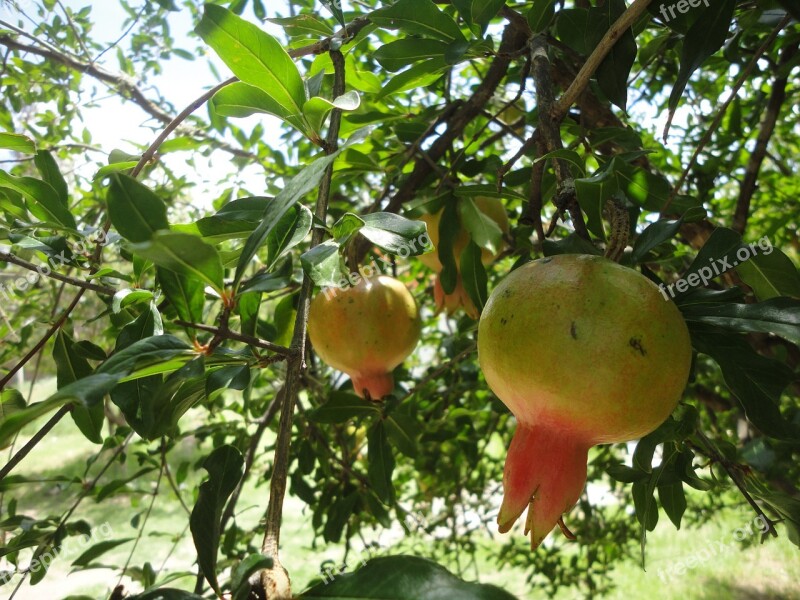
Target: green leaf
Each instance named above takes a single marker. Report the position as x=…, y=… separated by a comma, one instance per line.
x=304, y=24
x=420, y=17
x=166, y=594
x=395, y=234
x=399, y=54
x=48, y=169
x=420, y=75
x=644, y=503
x=343, y=406
x=17, y=142
x=719, y=252
x=185, y=294
x=402, y=429
x=483, y=230
x=381, y=462
x=42, y=199
x=770, y=274
x=473, y=275
x=654, y=235
x=88, y=391
x=346, y=226
x=403, y=578
x=185, y=254
x=317, y=108
x=704, y=38
x=250, y=565
x=780, y=316
x=71, y=368
x=323, y=264
x=256, y=58
x=154, y=350
x=335, y=6
x=241, y=100
x=479, y=12
x=96, y=551
x=612, y=74
x=302, y=183
x=673, y=499
x=757, y=382
x=593, y=192
x=224, y=466
x=135, y=211
x=290, y=230
x=541, y=15
x=449, y=228
x=11, y=401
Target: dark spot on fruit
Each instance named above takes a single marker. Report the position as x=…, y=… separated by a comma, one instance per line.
x=573, y=331
x=503, y=320
x=350, y=300
x=636, y=344
x=506, y=293
x=544, y=261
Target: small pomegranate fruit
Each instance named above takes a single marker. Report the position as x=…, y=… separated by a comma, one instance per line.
x=583, y=351
x=458, y=298
x=365, y=331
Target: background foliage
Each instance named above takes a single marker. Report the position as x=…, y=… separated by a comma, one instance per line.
x=172, y=307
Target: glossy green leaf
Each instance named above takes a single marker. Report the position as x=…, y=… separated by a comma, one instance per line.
x=324, y=264
x=243, y=100
x=399, y=54
x=185, y=254
x=346, y=226
x=97, y=550
x=449, y=229
x=420, y=17
x=403, y=578
x=757, y=382
x=770, y=275
x=17, y=142
x=256, y=58
x=224, y=466
x=70, y=368
x=317, y=108
x=780, y=316
x=395, y=234
x=541, y=15
x=473, y=275
x=381, y=462
x=135, y=211
x=250, y=565
x=185, y=294
x=612, y=74
x=343, y=406
x=593, y=193
x=483, y=230
x=48, y=169
x=43, y=200
x=704, y=38
x=654, y=235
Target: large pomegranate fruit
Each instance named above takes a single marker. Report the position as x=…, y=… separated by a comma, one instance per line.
x=365, y=331
x=583, y=351
x=458, y=298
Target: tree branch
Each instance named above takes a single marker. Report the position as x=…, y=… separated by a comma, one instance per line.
x=14, y=260
x=275, y=581
x=227, y=334
x=765, y=131
x=622, y=24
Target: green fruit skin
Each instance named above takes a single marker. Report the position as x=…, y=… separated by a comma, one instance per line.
x=584, y=344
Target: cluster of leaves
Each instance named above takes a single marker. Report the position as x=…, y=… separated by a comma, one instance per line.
x=169, y=272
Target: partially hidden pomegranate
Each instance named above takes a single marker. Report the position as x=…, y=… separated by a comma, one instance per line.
x=458, y=298
x=582, y=351
x=365, y=331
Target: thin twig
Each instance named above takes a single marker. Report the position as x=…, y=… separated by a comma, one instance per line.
x=15, y=260
x=31, y=443
x=275, y=581
x=239, y=337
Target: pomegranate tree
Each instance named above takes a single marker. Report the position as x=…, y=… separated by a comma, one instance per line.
x=458, y=298
x=365, y=331
x=582, y=351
